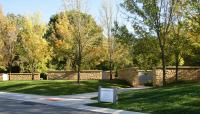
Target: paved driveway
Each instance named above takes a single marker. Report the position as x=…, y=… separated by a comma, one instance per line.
x=8, y=106
x=68, y=104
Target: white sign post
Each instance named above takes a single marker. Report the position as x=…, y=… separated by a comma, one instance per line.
x=107, y=95
x=5, y=77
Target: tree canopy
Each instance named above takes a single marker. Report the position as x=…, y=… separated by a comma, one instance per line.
x=161, y=33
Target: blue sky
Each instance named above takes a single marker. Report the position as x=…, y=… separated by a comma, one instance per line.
x=46, y=7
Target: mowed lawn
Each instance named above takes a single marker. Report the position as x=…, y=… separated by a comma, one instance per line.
x=182, y=98
x=58, y=87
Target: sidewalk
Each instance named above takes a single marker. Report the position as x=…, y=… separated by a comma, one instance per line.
x=77, y=101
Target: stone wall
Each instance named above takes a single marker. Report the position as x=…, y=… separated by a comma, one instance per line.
x=22, y=76
x=145, y=77
x=130, y=75
x=1, y=77
x=185, y=73
x=106, y=75
x=72, y=75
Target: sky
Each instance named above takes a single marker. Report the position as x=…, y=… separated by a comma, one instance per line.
x=47, y=8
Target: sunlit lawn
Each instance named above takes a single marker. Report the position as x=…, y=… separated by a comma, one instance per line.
x=58, y=87
x=182, y=98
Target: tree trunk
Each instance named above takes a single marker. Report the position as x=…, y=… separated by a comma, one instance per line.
x=79, y=63
x=110, y=55
x=177, y=64
x=65, y=69
x=79, y=69
x=10, y=70
x=163, y=66
x=161, y=44
x=33, y=72
x=110, y=68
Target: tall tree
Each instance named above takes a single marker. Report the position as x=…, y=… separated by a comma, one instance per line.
x=124, y=42
x=108, y=18
x=83, y=33
x=78, y=25
x=60, y=38
x=8, y=34
x=35, y=52
x=154, y=16
x=178, y=42
x=1, y=40
x=192, y=27
x=142, y=49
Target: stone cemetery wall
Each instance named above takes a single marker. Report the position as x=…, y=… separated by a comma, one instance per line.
x=22, y=76
x=106, y=75
x=130, y=75
x=185, y=73
x=1, y=77
x=72, y=75
x=145, y=77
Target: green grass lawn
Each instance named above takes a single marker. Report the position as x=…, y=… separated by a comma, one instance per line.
x=58, y=87
x=182, y=98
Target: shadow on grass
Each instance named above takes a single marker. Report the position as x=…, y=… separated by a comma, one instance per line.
x=54, y=87
x=182, y=98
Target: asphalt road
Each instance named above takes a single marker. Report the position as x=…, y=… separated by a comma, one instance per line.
x=8, y=106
